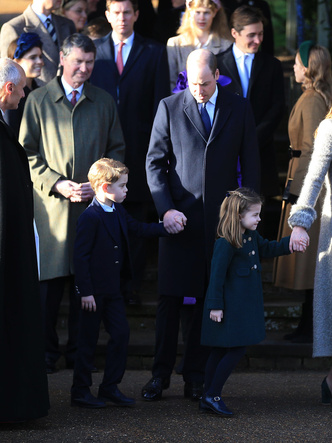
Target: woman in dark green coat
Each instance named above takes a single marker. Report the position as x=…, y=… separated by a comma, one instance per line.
x=234, y=311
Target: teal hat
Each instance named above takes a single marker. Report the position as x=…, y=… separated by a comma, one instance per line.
x=304, y=51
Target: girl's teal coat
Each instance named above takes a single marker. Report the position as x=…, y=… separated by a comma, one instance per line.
x=236, y=288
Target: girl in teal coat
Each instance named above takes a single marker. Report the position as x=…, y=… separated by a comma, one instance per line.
x=234, y=310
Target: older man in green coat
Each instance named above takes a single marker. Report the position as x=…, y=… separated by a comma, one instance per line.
x=67, y=125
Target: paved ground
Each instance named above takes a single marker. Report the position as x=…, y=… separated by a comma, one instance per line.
x=269, y=407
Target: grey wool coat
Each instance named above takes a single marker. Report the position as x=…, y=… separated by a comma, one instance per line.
x=63, y=142
x=303, y=214
x=236, y=288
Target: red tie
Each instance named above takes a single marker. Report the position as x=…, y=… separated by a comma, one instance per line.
x=73, y=97
x=119, y=59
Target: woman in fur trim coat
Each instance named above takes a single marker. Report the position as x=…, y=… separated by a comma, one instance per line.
x=301, y=218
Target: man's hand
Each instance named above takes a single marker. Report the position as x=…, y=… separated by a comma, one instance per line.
x=299, y=240
x=174, y=221
x=75, y=192
x=88, y=303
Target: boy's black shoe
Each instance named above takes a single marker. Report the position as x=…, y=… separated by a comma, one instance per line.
x=115, y=396
x=87, y=401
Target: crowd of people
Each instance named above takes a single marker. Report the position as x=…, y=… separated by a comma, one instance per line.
x=93, y=142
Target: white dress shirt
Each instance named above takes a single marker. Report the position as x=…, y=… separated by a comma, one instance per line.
x=69, y=89
x=210, y=105
x=126, y=48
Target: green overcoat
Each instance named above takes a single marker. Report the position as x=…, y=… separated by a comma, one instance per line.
x=236, y=287
x=62, y=142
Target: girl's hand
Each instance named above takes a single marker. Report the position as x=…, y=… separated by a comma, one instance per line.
x=216, y=315
x=88, y=303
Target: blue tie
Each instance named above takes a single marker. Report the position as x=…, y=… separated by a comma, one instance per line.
x=206, y=119
x=51, y=30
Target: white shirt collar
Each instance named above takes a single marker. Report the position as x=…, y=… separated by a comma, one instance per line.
x=238, y=53
x=105, y=207
x=42, y=17
x=69, y=89
x=129, y=41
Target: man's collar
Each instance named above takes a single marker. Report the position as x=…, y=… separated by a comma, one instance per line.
x=238, y=53
x=128, y=41
x=214, y=96
x=41, y=16
x=68, y=89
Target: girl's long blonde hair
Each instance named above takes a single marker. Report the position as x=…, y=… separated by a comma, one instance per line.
x=318, y=75
x=236, y=203
x=219, y=25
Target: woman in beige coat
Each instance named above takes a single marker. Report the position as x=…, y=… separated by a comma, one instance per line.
x=312, y=68
x=204, y=25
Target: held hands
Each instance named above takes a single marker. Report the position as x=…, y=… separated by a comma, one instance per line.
x=299, y=240
x=75, y=192
x=216, y=315
x=88, y=303
x=174, y=221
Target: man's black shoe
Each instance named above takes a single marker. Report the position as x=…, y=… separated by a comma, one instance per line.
x=87, y=401
x=115, y=396
x=194, y=390
x=154, y=388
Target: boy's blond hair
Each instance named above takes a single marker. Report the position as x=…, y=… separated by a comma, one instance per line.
x=106, y=170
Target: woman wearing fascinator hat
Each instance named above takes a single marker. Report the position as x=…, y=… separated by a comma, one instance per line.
x=204, y=25
x=27, y=52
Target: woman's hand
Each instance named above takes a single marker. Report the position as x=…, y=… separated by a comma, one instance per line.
x=299, y=240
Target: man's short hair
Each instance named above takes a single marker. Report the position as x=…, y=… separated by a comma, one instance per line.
x=133, y=2
x=106, y=170
x=210, y=59
x=246, y=15
x=9, y=72
x=78, y=41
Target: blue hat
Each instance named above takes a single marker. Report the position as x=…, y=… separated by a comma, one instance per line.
x=27, y=41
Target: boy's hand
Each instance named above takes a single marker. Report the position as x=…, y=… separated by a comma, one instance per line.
x=88, y=303
x=217, y=315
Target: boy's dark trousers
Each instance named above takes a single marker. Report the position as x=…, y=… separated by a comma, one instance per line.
x=110, y=310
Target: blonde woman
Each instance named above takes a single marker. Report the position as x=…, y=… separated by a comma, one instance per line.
x=75, y=10
x=312, y=69
x=204, y=25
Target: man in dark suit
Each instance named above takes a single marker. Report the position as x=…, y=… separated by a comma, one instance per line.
x=23, y=389
x=134, y=70
x=51, y=28
x=190, y=167
x=261, y=81
x=231, y=5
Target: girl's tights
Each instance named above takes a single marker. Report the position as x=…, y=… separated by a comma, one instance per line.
x=219, y=367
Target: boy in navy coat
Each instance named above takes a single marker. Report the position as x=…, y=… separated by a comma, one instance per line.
x=101, y=258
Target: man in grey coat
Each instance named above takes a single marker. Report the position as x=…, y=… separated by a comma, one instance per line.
x=67, y=125
x=51, y=28
x=191, y=164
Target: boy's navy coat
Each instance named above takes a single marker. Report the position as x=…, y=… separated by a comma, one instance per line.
x=97, y=251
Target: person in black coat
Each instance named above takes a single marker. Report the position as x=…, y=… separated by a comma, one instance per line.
x=23, y=391
x=268, y=42
x=102, y=259
x=189, y=170
x=265, y=89
x=137, y=90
